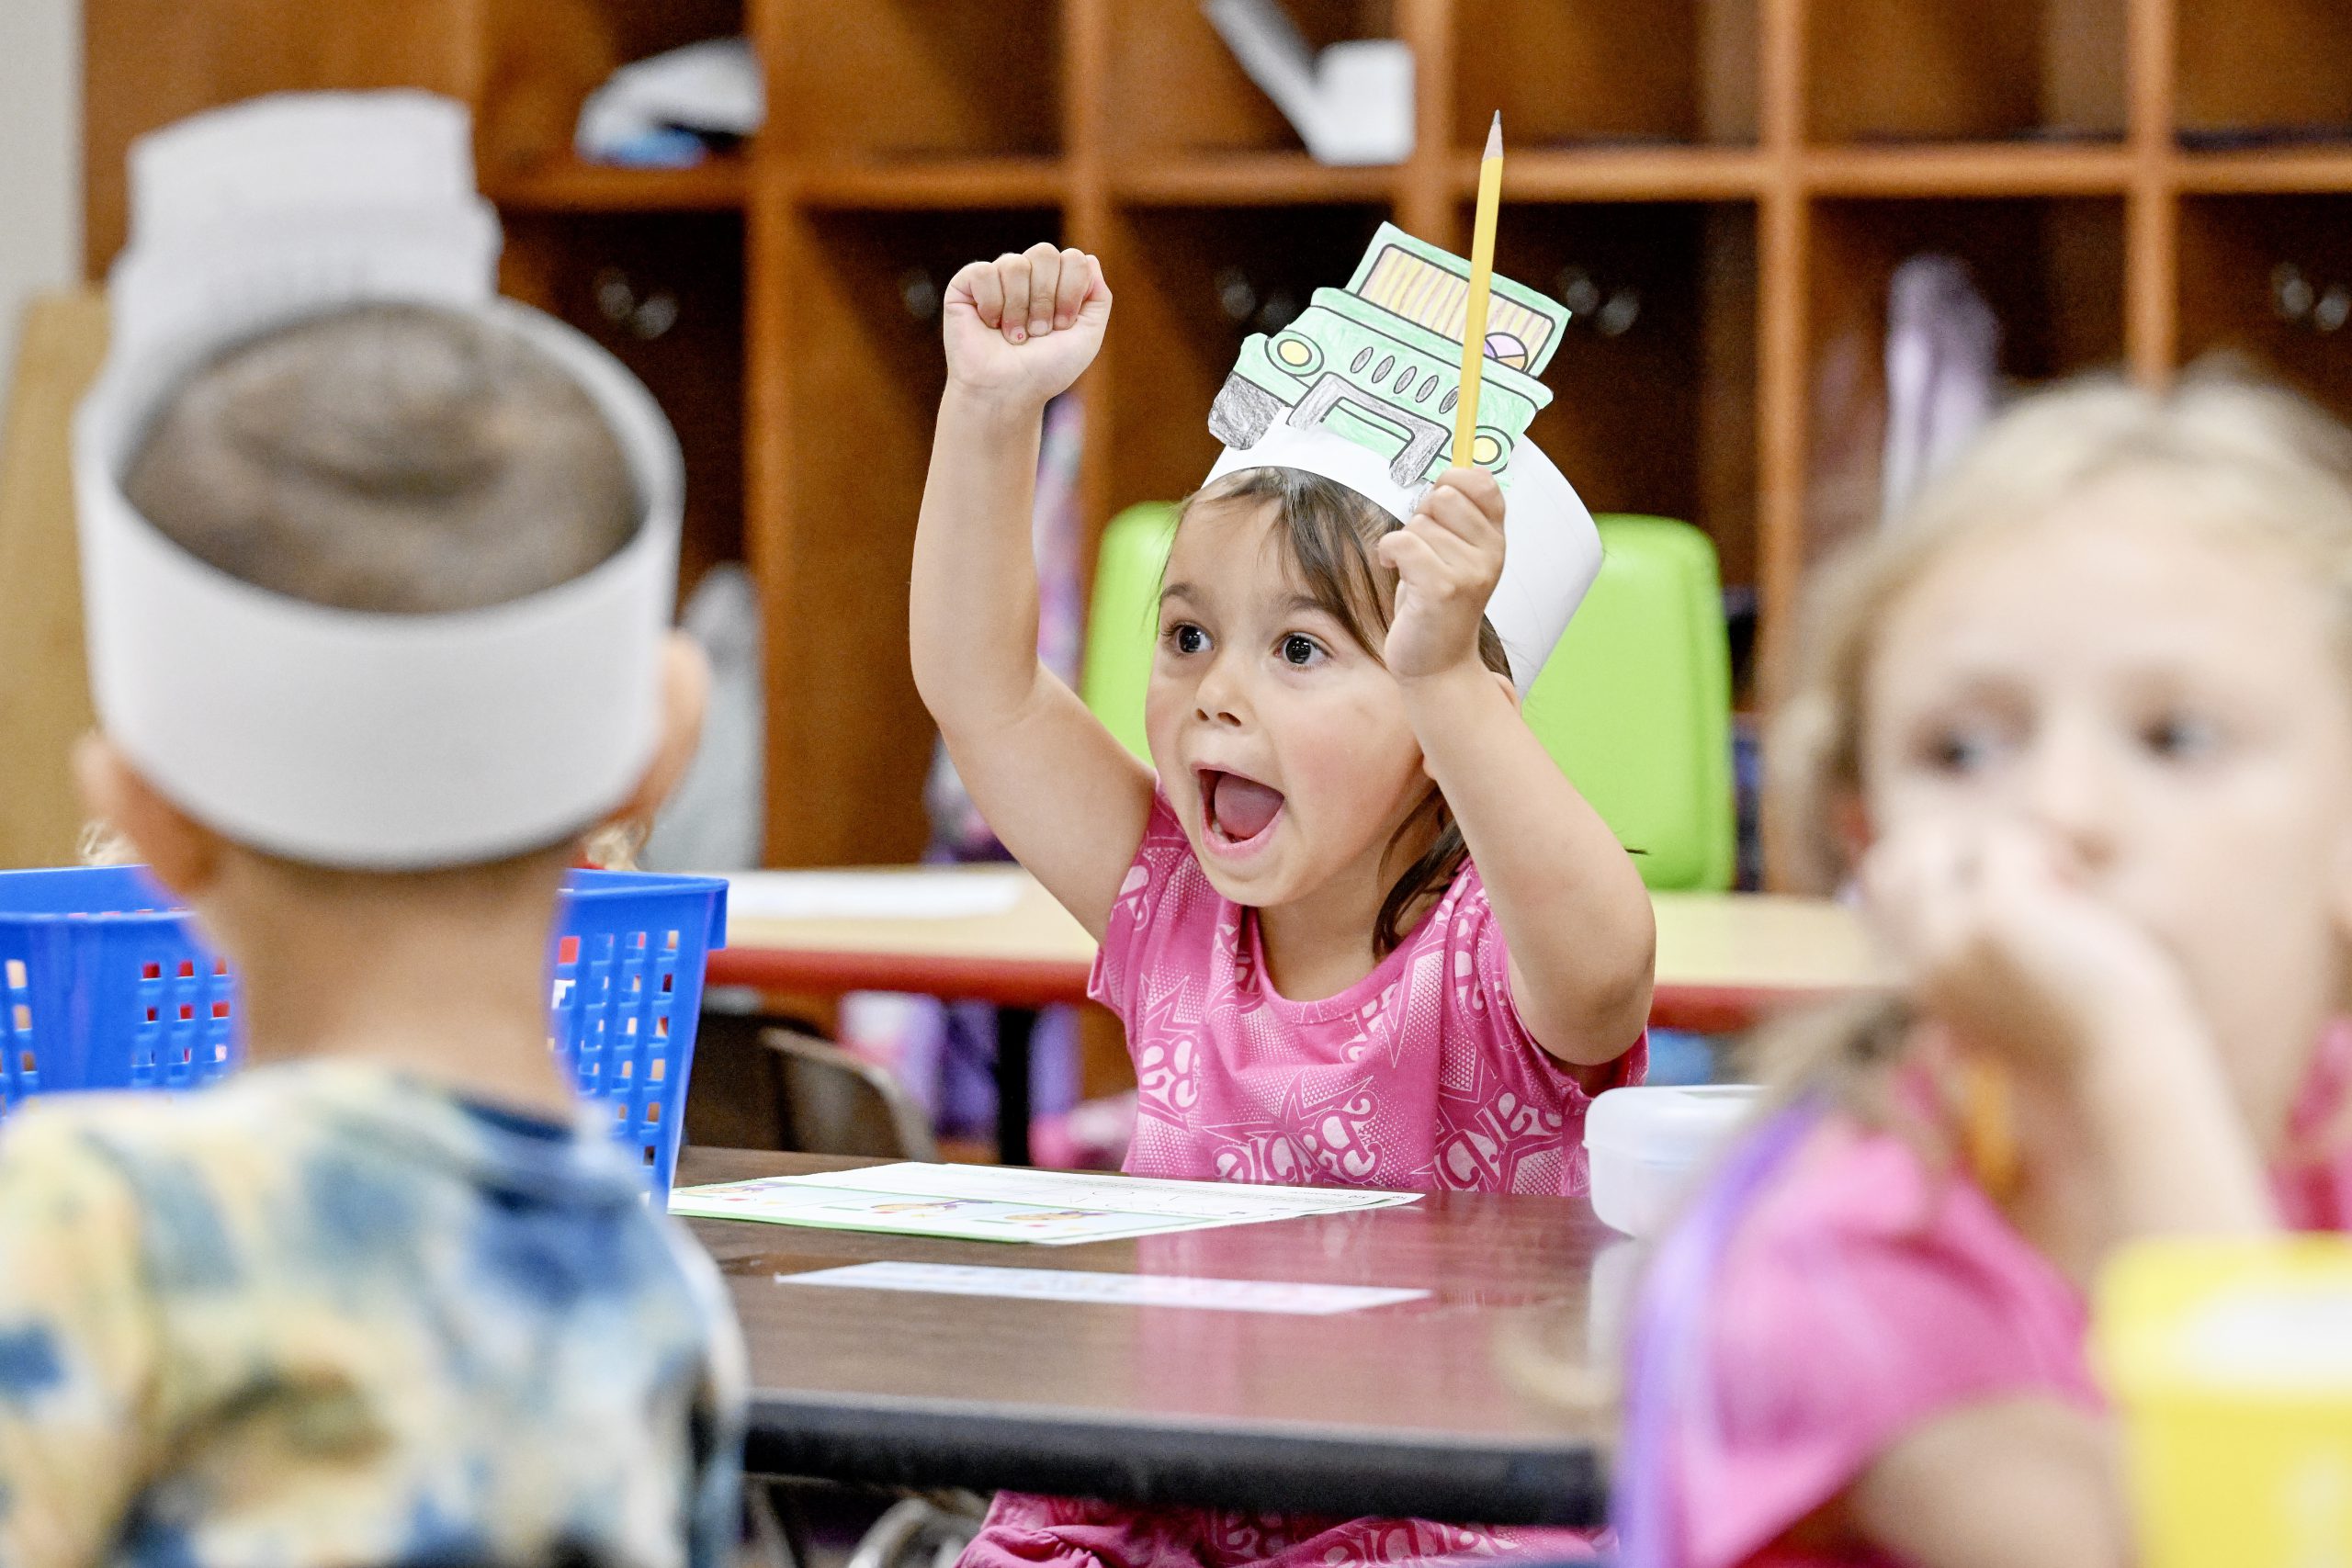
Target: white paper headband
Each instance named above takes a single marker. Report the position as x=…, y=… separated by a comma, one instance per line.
x=338, y=737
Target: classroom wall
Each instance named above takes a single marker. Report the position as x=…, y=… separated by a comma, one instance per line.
x=40, y=154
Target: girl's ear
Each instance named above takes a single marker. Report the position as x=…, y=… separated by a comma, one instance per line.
x=184, y=854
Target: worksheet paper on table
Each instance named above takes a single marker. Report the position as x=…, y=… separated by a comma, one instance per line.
x=1051, y=1208
x=873, y=896
x=1089, y=1288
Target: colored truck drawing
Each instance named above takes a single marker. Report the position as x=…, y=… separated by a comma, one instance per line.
x=1379, y=363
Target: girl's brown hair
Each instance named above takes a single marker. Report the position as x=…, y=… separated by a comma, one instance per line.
x=2231, y=450
x=1328, y=534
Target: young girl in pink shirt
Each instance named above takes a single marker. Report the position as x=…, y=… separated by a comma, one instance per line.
x=1361, y=930
x=2082, y=725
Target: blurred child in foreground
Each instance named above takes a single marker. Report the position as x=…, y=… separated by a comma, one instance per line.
x=2082, y=725
x=377, y=572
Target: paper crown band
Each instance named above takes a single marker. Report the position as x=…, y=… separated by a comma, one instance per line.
x=1551, y=549
x=337, y=737
x=1359, y=388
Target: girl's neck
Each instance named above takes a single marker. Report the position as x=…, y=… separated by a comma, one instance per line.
x=1318, y=945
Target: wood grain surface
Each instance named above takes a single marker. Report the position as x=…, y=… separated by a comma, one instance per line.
x=1416, y=1408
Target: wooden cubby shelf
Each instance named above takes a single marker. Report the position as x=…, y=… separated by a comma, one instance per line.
x=1724, y=187
x=2252, y=73
x=1628, y=174
x=1926, y=70
x=2315, y=170
x=1245, y=179
x=567, y=184
x=1967, y=169
x=945, y=184
x=2271, y=277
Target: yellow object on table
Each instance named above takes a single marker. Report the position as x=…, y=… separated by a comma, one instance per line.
x=1482, y=282
x=2231, y=1362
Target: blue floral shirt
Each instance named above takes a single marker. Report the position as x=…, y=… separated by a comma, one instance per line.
x=325, y=1314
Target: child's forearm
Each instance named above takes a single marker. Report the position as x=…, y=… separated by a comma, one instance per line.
x=972, y=605
x=1573, y=908
x=2171, y=1147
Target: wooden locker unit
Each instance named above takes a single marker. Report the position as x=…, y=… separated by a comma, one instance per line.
x=2124, y=177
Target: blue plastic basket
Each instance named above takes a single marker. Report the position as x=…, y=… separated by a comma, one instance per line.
x=103, y=985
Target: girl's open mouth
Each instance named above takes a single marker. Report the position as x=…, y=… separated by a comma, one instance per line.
x=1239, y=813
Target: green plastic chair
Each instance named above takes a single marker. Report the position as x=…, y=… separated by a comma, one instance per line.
x=1123, y=622
x=1635, y=703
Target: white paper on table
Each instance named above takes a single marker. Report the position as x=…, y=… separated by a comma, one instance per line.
x=777, y=1201
x=1229, y=1200
x=1039, y=1207
x=1110, y=1290
x=872, y=896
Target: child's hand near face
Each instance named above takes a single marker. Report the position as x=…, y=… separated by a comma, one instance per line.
x=1023, y=327
x=1448, y=557
x=2007, y=948
x=2003, y=944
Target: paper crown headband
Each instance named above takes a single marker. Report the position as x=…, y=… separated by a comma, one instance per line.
x=1361, y=388
x=339, y=737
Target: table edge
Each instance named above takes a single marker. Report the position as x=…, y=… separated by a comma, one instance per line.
x=901, y=1441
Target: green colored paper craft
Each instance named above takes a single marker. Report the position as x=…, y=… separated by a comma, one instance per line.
x=1379, y=363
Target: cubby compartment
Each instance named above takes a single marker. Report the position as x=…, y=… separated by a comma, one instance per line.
x=665, y=293
x=2269, y=277
x=542, y=58
x=1569, y=72
x=885, y=80
x=2262, y=72
x=2049, y=268
x=1964, y=70
x=852, y=419
x=1191, y=283
x=1172, y=88
x=1654, y=381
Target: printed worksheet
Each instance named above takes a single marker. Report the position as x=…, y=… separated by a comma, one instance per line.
x=1091, y=1289
x=1049, y=1208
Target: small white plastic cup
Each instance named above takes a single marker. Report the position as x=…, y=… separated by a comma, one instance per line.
x=1647, y=1144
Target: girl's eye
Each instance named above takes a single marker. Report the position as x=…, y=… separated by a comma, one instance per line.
x=1960, y=749
x=1186, y=637
x=1300, y=651
x=2179, y=737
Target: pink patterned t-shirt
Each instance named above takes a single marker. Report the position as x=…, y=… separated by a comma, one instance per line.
x=1420, y=1078
x=1864, y=1294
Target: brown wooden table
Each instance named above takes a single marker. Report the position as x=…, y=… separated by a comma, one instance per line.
x=1403, y=1410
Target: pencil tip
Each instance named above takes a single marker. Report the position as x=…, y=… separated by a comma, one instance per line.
x=1495, y=136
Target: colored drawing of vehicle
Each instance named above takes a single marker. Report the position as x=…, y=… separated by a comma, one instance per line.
x=1379, y=363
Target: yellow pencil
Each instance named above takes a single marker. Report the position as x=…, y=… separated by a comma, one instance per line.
x=1482, y=277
